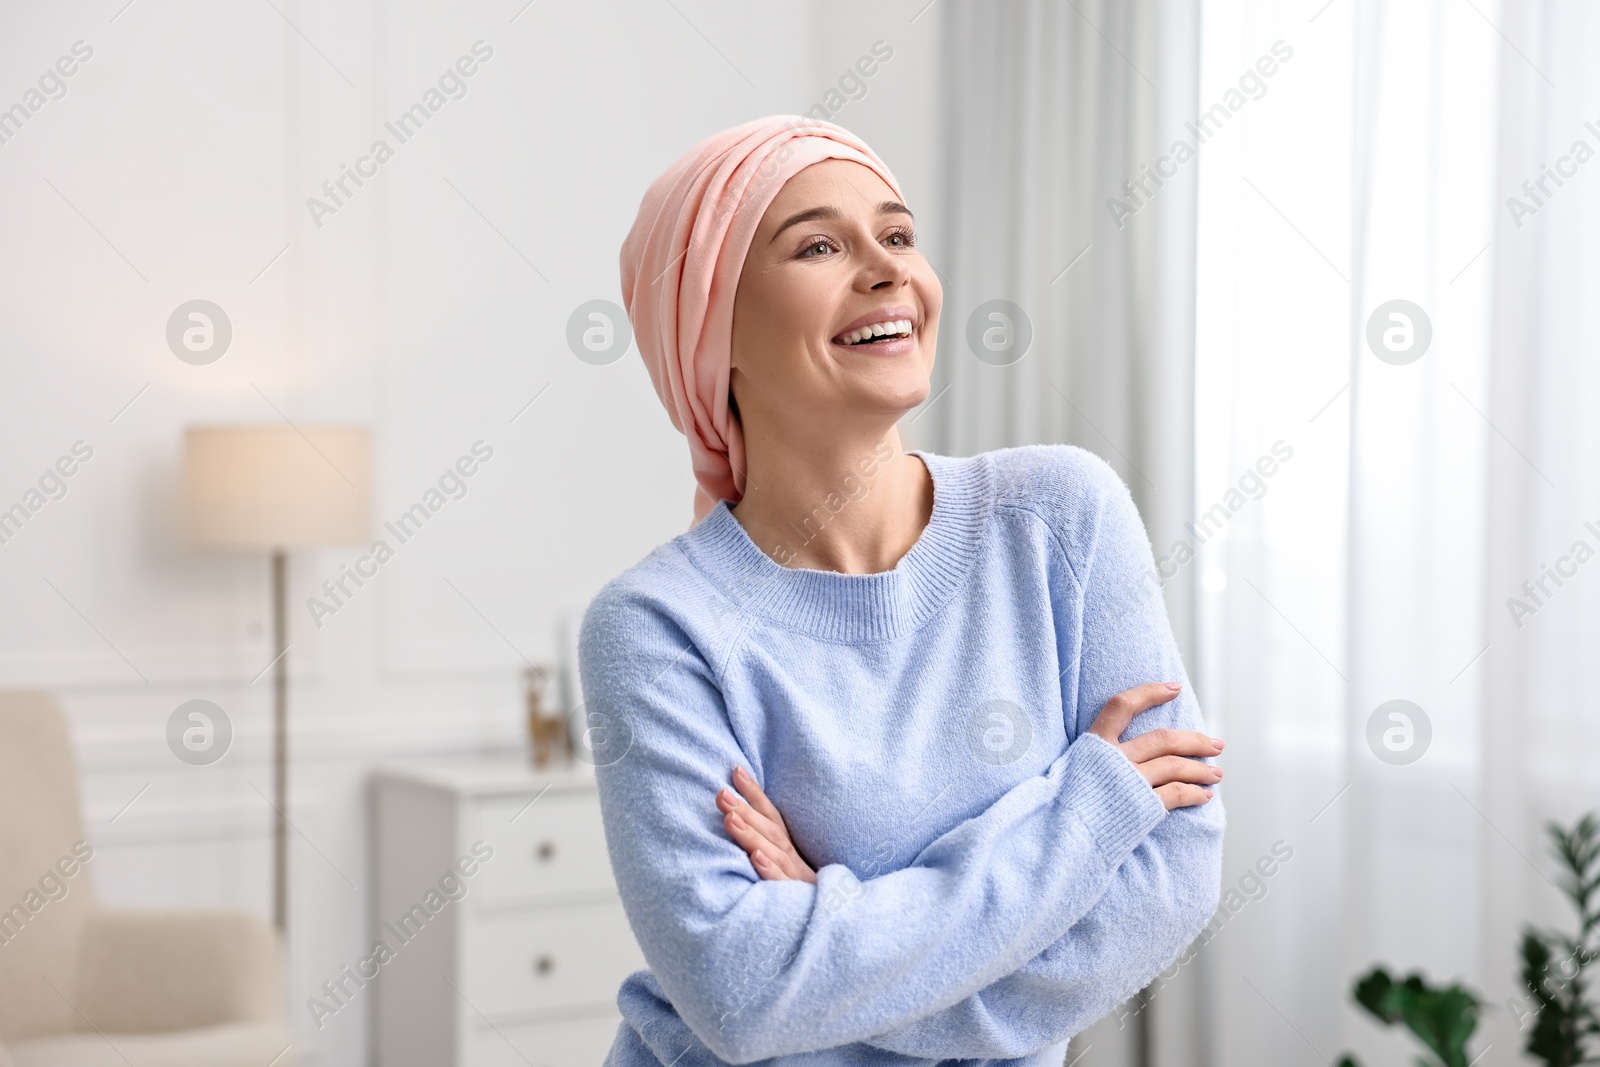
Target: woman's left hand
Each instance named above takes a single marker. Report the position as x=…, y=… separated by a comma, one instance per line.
x=757, y=828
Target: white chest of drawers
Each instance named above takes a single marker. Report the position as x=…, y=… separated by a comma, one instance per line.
x=516, y=963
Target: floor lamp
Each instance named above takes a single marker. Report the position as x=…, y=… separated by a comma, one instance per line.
x=276, y=489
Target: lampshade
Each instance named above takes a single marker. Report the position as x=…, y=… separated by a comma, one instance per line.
x=277, y=487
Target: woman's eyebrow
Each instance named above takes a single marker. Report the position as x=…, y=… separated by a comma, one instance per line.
x=888, y=207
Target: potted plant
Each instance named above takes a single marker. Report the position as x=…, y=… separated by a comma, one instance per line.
x=1442, y=1018
x=1565, y=1021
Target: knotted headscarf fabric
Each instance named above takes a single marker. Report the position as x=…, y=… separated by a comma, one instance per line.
x=680, y=270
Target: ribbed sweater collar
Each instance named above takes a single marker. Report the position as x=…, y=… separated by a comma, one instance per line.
x=855, y=607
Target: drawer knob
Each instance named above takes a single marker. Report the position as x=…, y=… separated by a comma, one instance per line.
x=544, y=965
x=546, y=851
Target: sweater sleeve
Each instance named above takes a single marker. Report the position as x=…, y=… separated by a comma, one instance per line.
x=1156, y=905
x=759, y=969
x=1167, y=889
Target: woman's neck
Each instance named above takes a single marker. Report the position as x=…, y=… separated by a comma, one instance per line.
x=853, y=505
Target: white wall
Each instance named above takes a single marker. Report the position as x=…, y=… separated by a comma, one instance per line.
x=177, y=166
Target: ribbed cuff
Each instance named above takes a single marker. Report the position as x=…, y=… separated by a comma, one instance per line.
x=1112, y=798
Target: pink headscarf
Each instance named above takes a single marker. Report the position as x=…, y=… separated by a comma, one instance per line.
x=680, y=270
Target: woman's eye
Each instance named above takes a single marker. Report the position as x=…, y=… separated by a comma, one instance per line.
x=821, y=246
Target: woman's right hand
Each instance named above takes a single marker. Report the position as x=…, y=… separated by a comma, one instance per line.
x=1161, y=755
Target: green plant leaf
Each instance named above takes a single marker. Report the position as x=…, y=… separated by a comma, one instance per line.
x=1442, y=1018
x=1554, y=962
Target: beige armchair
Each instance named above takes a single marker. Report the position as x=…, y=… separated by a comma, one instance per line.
x=82, y=985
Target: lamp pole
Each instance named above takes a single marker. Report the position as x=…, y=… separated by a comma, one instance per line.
x=280, y=746
x=274, y=489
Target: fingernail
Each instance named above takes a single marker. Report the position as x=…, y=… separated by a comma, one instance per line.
x=1174, y=686
x=1216, y=743
x=1208, y=793
x=739, y=773
x=736, y=822
x=1217, y=771
x=725, y=794
x=760, y=860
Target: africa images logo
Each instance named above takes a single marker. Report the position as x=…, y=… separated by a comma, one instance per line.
x=999, y=732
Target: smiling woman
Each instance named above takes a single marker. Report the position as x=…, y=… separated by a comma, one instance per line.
x=832, y=343
x=985, y=815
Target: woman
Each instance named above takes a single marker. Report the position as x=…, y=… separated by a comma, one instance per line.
x=928, y=663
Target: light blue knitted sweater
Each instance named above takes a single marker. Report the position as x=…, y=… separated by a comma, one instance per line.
x=991, y=878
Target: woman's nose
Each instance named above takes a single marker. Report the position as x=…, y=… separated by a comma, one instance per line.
x=886, y=270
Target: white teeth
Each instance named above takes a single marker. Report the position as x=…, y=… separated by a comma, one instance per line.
x=877, y=329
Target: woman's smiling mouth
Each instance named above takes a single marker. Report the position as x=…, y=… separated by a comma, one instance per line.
x=885, y=332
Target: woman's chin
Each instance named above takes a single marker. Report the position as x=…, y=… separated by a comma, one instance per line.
x=879, y=390
x=899, y=398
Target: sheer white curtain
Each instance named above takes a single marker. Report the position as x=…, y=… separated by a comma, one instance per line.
x=1541, y=717
x=1423, y=490
x=1363, y=506
x=1050, y=112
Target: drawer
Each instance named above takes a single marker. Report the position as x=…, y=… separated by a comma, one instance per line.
x=574, y=1043
x=564, y=956
x=555, y=847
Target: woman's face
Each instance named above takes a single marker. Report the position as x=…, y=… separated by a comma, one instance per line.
x=834, y=252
